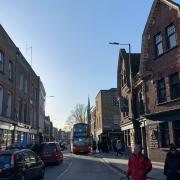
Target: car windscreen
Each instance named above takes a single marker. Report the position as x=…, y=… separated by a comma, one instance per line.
x=5, y=160
x=48, y=147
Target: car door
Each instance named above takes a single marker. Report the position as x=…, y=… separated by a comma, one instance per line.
x=20, y=163
x=35, y=166
x=27, y=165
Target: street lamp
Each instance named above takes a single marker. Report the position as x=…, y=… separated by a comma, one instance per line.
x=131, y=86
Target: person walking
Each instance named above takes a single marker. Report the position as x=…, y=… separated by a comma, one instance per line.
x=172, y=164
x=138, y=165
x=94, y=146
x=119, y=147
x=99, y=146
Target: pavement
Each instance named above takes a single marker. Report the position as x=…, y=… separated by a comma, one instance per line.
x=120, y=163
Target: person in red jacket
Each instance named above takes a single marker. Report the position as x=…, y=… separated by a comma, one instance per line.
x=138, y=165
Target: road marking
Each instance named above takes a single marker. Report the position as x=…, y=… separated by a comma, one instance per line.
x=65, y=171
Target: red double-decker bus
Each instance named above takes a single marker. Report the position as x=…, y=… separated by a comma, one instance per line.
x=80, y=138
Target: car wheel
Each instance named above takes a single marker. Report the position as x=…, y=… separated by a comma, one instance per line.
x=42, y=172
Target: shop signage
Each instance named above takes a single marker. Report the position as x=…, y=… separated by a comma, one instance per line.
x=153, y=131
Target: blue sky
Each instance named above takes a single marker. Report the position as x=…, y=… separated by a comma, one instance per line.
x=70, y=39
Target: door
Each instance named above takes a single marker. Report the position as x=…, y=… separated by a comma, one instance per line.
x=34, y=167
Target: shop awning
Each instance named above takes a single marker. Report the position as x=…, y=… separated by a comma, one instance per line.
x=172, y=115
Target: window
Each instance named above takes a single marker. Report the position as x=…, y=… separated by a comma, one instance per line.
x=25, y=113
x=36, y=94
x=1, y=99
x=9, y=105
x=116, y=119
x=158, y=44
x=127, y=137
x=10, y=71
x=176, y=128
x=32, y=157
x=122, y=81
x=115, y=101
x=1, y=62
x=124, y=104
x=171, y=36
x=21, y=82
x=164, y=128
x=124, y=76
x=25, y=88
x=161, y=91
x=174, y=86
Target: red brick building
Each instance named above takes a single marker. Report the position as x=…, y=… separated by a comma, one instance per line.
x=127, y=92
x=19, y=95
x=160, y=72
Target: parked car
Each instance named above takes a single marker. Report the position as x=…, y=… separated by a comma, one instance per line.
x=50, y=152
x=22, y=164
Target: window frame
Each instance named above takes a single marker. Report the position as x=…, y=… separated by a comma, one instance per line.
x=172, y=86
x=168, y=36
x=10, y=70
x=3, y=59
x=127, y=137
x=158, y=43
x=159, y=89
x=9, y=113
x=1, y=87
x=176, y=129
x=164, y=132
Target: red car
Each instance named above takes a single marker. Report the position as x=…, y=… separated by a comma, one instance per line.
x=50, y=152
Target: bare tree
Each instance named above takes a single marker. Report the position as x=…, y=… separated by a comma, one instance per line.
x=79, y=113
x=69, y=123
x=77, y=116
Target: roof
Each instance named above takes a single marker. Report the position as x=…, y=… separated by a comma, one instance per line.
x=145, y=68
x=134, y=58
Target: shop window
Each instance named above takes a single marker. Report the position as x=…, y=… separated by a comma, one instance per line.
x=174, y=83
x=171, y=36
x=158, y=44
x=127, y=137
x=164, y=128
x=161, y=91
x=176, y=128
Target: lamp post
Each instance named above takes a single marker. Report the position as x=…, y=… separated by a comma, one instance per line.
x=135, y=125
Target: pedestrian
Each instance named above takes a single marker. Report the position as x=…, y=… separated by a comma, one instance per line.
x=118, y=147
x=114, y=145
x=94, y=146
x=172, y=164
x=138, y=165
x=99, y=146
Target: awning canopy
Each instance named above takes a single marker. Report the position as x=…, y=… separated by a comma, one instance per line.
x=172, y=115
